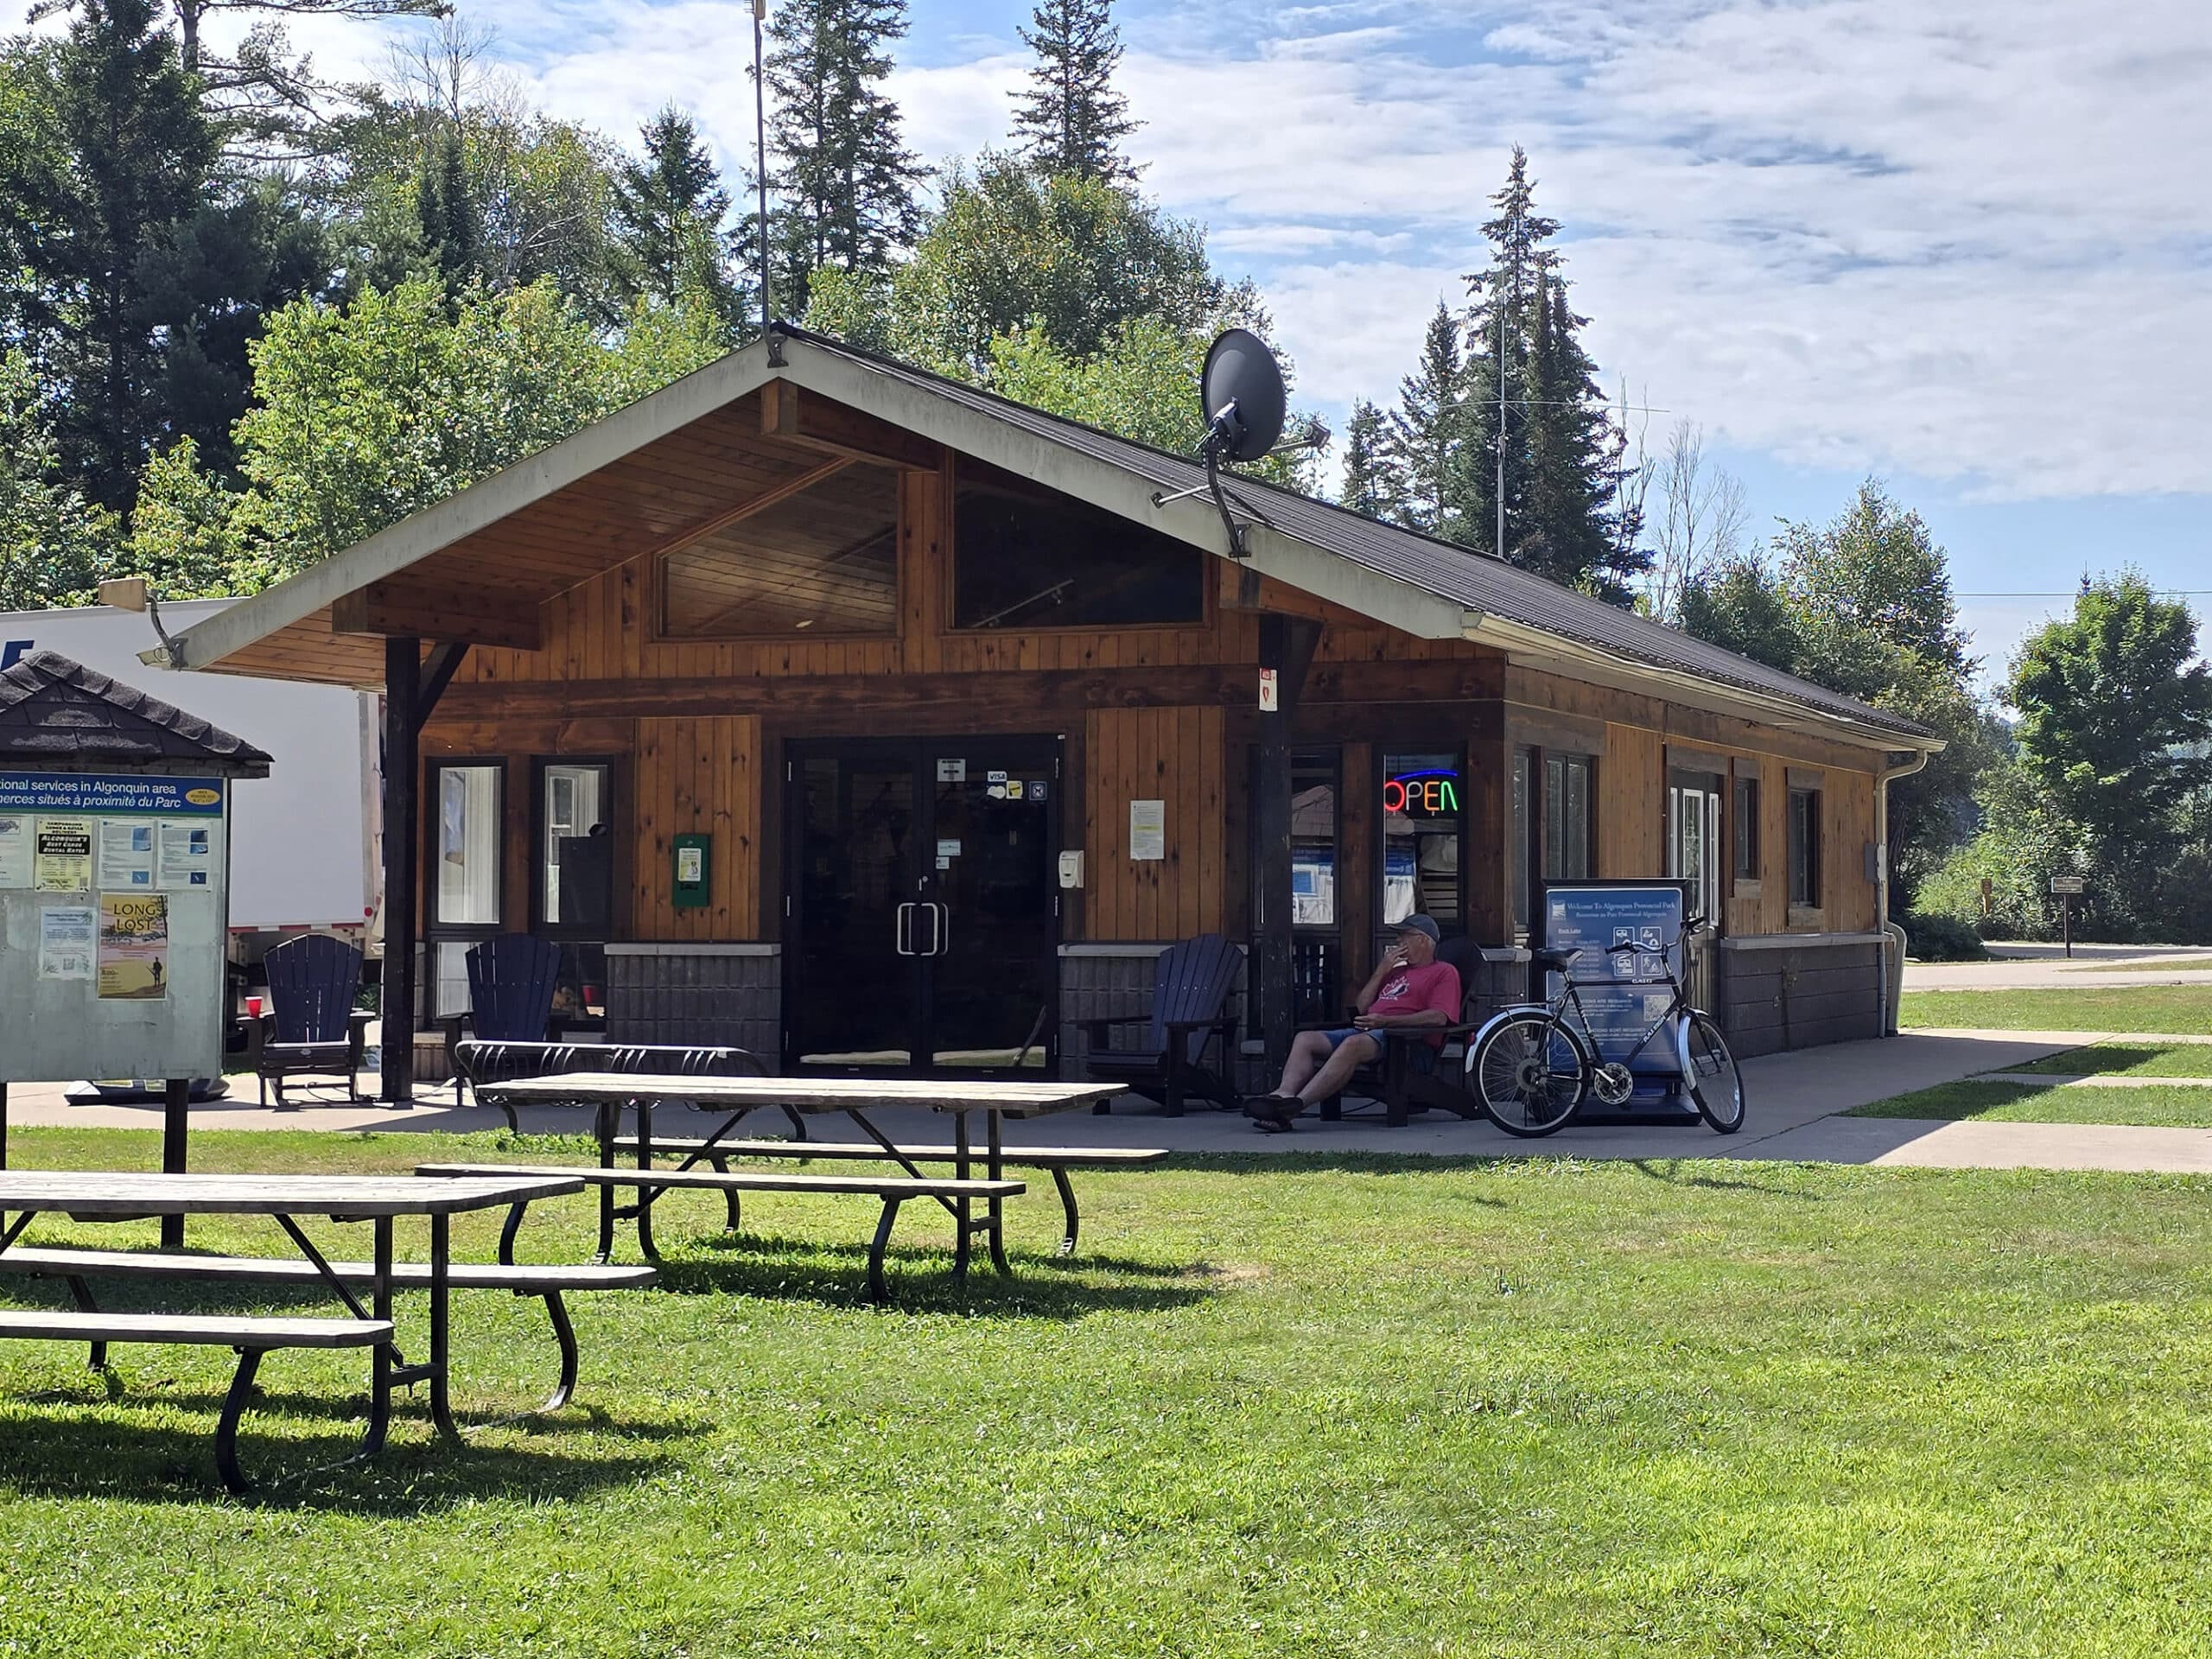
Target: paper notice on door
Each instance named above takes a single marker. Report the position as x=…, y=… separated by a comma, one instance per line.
x=186, y=853
x=65, y=942
x=951, y=770
x=948, y=849
x=1014, y=789
x=15, y=852
x=127, y=854
x=63, y=862
x=1147, y=830
x=134, y=947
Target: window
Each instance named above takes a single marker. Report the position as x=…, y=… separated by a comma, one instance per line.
x=464, y=848
x=1423, y=824
x=1693, y=839
x=575, y=880
x=1567, y=798
x=1517, y=861
x=1804, y=848
x=1747, y=829
x=822, y=561
x=1314, y=913
x=1025, y=559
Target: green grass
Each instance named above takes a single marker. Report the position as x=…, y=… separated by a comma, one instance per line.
x=2183, y=1009
x=2128, y=1060
x=1324, y=1406
x=2178, y=1107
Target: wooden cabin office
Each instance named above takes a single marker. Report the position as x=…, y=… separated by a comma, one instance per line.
x=821, y=706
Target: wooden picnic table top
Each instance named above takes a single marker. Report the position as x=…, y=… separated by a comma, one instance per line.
x=136, y=1192
x=1013, y=1099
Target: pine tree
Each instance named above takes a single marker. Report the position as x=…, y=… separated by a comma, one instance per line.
x=1530, y=376
x=845, y=175
x=1071, y=120
x=1369, y=483
x=139, y=155
x=452, y=226
x=1423, y=447
x=669, y=210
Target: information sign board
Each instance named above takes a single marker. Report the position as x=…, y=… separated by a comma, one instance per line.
x=2066, y=884
x=70, y=791
x=1621, y=995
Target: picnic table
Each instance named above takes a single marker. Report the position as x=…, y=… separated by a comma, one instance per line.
x=105, y=1195
x=979, y=1174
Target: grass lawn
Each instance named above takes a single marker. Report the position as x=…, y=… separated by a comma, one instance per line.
x=2128, y=1060
x=2182, y=1107
x=2194, y=966
x=1313, y=1406
x=2184, y=1009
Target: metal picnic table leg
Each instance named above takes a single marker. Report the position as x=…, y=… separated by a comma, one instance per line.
x=997, y=1162
x=386, y=1358
x=646, y=1195
x=962, y=1232
x=608, y=1120
x=440, y=1329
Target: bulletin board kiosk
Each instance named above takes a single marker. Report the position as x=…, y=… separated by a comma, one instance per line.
x=114, y=865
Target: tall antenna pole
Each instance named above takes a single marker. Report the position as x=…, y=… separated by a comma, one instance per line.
x=760, y=163
x=1500, y=543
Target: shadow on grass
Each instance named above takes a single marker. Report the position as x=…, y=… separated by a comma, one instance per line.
x=921, y=1280
x=1708, y=1175
x=2109, y=1057
x=94, y=1452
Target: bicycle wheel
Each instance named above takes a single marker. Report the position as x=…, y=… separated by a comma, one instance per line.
x=1529, y=1072
x=1710, y=1069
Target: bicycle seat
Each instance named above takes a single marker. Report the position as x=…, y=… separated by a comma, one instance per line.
x=1561, y=961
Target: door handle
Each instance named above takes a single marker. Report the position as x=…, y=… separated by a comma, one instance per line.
x=904, y=929
x=940, y=930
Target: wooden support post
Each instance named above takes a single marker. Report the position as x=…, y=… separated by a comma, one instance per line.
x=402, y=842
x=3, y=1126
x=1286, y=650
x=176, y=1108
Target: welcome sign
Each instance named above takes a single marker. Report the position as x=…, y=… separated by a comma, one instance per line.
x=69, y=792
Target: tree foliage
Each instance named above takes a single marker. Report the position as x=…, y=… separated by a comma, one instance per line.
x=670, y=213
x=1368, y=486
x=54, y=544
x=1072, y=121
x=837, y=158
x=2115, y=710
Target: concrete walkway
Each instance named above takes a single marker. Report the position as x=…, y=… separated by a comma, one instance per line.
x=1795, y=1106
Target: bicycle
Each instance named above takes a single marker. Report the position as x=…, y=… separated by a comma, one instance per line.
x=1531, y=1069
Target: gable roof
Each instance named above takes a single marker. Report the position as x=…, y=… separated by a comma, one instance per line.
x=55, y=712
x=1428, y=589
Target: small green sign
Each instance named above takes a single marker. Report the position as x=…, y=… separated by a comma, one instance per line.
x=694, y=871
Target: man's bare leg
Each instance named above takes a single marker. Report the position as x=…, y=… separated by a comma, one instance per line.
x=1308, y=1050
x=1351, y=1053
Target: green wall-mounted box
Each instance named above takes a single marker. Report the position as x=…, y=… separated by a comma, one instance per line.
x=694, y=871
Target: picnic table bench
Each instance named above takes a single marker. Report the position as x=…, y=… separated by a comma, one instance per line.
x=856, y=1097
x=1056, y=1160
x=379, y=1199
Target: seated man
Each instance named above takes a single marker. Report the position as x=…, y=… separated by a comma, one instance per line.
x=1408, y=988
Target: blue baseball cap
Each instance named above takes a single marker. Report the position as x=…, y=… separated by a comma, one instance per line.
x=1425, y=926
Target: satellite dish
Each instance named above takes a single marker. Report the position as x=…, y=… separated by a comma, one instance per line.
x=1244, y=396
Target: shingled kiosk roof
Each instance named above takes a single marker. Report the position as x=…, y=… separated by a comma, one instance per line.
x=57, y=713
x=1428, y=589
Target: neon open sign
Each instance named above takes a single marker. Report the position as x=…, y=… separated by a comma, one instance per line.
x=1434, y=794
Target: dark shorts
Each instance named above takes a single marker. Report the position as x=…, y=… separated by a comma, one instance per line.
x=1421, y=1057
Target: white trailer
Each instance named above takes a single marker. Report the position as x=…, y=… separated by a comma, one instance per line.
x=303, y=840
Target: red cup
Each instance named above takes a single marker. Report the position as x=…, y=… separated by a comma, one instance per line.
x=253, y=1008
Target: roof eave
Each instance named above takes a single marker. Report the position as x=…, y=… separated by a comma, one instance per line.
x=1524, y=642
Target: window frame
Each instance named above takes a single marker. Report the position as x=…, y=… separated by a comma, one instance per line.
x=539, y=764
x=434, y=932
x=657, y=577
x=949, y=577
x=1454, y=927
x=1744, y=826
x=1805, y=850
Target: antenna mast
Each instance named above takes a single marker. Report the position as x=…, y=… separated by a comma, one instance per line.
x=1500, y=543
x=760, y=163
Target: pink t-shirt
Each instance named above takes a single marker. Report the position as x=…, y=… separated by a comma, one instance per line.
x=1431, y=985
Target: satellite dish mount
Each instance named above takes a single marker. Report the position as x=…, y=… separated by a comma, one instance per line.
x=1244, y=401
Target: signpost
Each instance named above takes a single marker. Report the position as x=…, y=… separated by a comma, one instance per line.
x=1622, y=995
x=2067, y=888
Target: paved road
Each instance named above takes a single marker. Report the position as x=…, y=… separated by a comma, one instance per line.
x=2043, y=967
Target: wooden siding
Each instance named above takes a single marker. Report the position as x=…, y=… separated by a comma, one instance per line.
x=697, y=777
x=1176, y=756
x=1631, y=803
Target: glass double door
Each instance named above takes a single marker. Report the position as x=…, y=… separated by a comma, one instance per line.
x=923, y=926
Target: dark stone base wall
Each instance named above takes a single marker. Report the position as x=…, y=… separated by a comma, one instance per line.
x=696, y=996
x=1770, y=995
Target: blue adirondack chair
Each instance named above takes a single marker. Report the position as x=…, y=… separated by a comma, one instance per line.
x=511, y=977
x=311, y=1027
x=1190, y=986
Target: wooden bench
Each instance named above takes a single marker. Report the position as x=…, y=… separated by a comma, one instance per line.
x=1056, y=1160
x=547, y=1284
x=891, y=1191
x=252, y=1336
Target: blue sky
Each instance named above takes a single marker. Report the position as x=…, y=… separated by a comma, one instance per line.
x=1960, y=244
